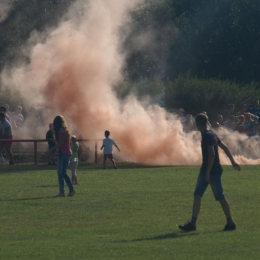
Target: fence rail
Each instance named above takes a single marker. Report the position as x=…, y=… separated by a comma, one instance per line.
x=36, y=141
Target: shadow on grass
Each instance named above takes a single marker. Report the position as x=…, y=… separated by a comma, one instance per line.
x=20, y=167
x=25, y=199
x=47, y=186
x=160, y=237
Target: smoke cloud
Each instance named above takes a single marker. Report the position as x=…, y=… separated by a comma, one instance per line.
x=5, y=8
x=72, y=72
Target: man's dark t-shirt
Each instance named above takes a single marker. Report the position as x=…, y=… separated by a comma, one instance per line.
x=209, y=138
x=255, y=111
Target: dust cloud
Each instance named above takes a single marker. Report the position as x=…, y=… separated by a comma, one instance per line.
x=72, y=72
x=5, y=8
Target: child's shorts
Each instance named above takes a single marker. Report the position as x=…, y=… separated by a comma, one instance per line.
x=108, y=156
x=215, y=184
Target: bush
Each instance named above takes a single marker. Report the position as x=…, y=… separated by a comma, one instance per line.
x=211, y=95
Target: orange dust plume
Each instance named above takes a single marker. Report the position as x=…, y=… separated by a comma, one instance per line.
x=73, y=71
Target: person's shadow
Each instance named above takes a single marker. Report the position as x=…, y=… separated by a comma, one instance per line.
x=160, y=237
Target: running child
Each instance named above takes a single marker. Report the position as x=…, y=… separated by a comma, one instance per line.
x=108, y=149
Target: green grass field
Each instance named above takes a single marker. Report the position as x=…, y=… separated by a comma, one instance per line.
x=129, y=213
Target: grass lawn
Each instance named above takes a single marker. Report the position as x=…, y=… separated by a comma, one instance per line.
x=129, y=213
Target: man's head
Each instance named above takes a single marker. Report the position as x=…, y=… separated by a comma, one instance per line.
x=243, y=108
x=3, y=109
x=18, y=110
x=219, y=118
x=107, y=133
x=188, y=117
x=181, y=112
x=201, y=121
x=2, y=116
x=73, y=139
x=256, y=104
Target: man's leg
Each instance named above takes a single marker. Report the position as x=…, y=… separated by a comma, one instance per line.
x=196, y=206
x=104, y=163
x=226, y=208
x=216, y=186
x=201, y=186
x=10, y=154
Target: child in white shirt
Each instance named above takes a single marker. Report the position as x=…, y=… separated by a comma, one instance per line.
x=108, y=149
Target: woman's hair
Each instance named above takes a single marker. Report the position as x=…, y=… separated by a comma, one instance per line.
x=58, y=123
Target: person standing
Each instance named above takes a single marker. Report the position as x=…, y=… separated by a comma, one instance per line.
x=210, y=174
x=108, y=149
x=255, y=109
x=51, y=146
x=74, y=159
x=6, y=133
x=62, y=137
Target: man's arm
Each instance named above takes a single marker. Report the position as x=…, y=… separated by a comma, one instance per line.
x=211, y=158
x=102, y=147
x=229, y=155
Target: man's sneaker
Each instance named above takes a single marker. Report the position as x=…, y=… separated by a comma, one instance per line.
x=11, y=163
x=187, y=227
x=59, y=195
x=72, y=193
x=230, y=227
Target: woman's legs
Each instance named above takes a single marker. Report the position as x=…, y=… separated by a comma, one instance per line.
x=59, y=172
x=64, y=165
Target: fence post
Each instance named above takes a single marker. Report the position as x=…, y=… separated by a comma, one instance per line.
x=96, y=147
x=35, y=153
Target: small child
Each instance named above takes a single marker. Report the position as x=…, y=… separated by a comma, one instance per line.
x=108, y=149
x=74, y=159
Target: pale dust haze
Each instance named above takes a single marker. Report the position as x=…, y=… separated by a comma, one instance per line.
x=73, y=71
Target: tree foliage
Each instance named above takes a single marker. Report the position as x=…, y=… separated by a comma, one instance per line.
x=212, y=38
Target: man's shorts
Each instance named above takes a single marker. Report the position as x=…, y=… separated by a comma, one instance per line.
x=108, y=156
x=215, y=184
x=8, y=143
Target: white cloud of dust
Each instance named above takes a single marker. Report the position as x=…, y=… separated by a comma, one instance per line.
x=73, y=71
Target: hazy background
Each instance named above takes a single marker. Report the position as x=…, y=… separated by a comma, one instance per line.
x=74, y=66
